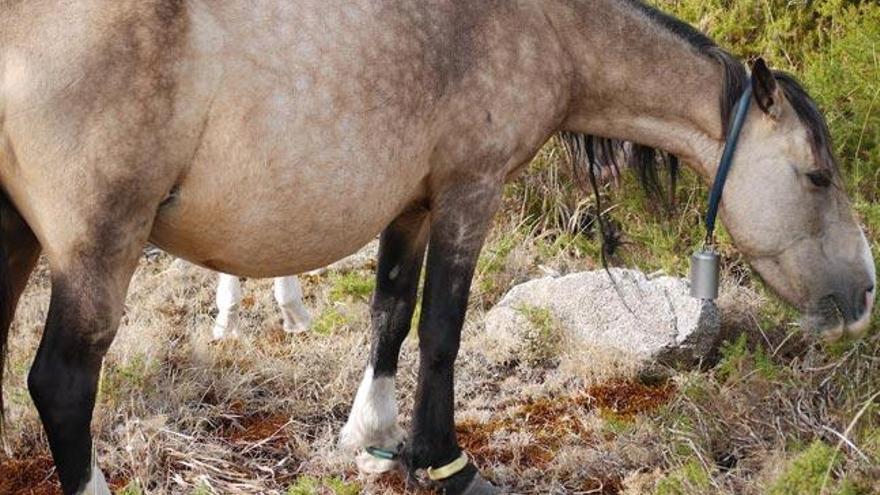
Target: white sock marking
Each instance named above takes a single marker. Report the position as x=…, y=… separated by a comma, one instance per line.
x=289, y=296
x=373, y=418
x=228, y=300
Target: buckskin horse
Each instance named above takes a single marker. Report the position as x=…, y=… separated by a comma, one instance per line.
x=263, y=138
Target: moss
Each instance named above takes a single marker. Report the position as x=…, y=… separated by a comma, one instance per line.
x=808, y=472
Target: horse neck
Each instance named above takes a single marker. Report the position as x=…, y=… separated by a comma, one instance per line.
x=636, y=80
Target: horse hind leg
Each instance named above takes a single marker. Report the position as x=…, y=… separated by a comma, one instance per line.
x=289, y=296
x=372, y=422
x=228, y=300
x=91, y=267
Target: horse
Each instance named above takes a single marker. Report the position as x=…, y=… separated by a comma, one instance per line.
x=288, y=296
x=265, y=138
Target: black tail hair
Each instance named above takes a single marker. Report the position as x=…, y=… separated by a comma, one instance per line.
x=589, y=155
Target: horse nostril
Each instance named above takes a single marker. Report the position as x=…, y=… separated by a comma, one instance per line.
x=869, y=298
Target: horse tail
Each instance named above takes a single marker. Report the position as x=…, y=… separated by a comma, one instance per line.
x=7, y=311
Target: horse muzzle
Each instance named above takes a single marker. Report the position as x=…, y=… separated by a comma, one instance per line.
x=839, y=316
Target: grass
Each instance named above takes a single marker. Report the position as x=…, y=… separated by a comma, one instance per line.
x=352, y=284
x=329, y=320
x=309, y=485
x=691, y=478
x=808, y=473
x=543, y=340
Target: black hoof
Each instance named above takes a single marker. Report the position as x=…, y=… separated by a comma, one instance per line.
x=479, y=486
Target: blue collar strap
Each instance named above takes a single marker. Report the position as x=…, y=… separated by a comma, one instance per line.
x=739, y=120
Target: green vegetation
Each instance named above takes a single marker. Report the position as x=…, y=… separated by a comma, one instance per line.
x=305, y=485
x=132, y=488
x=353, y=284
x=117, y=381
x=544, y=337
x=737, y=360
x=330, y=320
x=203, y=489
x=309, y=485
x=689, y=479
x=493, y=262
x=809, y=472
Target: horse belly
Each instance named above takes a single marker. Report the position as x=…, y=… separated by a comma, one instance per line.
x=254, y=224
x=281, y=215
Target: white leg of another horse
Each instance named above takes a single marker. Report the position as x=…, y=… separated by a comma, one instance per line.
x=228, y=303
x=289, y=296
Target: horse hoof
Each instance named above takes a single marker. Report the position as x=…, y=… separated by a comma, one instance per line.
x=221, y=333
x=294, y=328
x=354, y=436
x=369, y=464
x=479, y=486
x=97, y=484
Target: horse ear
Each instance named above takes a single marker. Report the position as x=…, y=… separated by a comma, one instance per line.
x=767, y=92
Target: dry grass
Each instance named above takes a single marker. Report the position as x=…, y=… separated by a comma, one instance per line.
x=178, y=414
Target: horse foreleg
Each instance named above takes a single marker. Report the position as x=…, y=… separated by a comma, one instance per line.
x=373, y=419
x=461, y=217
x=289, y=296
x=19, y=251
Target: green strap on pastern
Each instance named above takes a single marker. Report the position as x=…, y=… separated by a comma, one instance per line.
x=384, y=454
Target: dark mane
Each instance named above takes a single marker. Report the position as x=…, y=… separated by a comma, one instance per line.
x=810, y=115
x=591, y=154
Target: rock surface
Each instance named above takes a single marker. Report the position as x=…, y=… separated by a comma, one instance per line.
x=648, y=320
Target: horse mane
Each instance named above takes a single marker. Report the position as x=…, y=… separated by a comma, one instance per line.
x=595, y=154
x=810, y=115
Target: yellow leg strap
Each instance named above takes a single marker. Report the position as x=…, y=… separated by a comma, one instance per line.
x=449, y=470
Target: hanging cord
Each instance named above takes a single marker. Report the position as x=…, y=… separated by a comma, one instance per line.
x=592, y=164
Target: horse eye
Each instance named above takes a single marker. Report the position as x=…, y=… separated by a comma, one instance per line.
x=820, y=179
